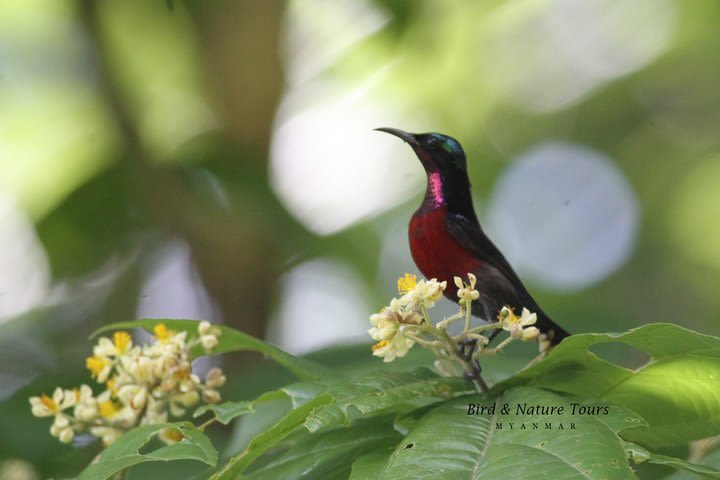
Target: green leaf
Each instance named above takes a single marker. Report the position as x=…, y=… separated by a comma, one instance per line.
x=125, y=452
x=268, y=410
x=225, y=412
x=327, y=454
x=676, y=392
x=370, y=465
x=335, y=402
x=231, y=340
x=371, y=394
x=269, y=438
x=447, y=443
x=710, y=459
x=639, y=455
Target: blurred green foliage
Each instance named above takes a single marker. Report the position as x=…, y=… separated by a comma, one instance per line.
x=125, y=125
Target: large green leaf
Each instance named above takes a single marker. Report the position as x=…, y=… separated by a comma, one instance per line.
x=231, y=340
x=401, y=392
x=447, y=443
x=677, y=392
x=327, y=454
x=225, y=412
x=269, y=438
x=336, y=402
x=370, y=465
x=639, y=455
x=125, y=452
x=710, y=460
x=370, y=394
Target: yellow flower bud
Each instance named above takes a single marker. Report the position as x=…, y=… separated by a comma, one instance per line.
x=204, y=328
x=210, y=396
x=66, y=435
x=215, y=378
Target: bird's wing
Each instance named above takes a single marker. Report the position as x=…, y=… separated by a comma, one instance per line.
x=469, y=234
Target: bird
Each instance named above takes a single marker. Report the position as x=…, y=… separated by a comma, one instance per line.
x=446, y=239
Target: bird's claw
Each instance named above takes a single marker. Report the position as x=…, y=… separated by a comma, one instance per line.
x=466, y=348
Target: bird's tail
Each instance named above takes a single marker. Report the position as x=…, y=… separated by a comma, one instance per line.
x=554, y=331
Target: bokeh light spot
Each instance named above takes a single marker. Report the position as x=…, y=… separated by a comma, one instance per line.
x=544, y=56
x=330, y=168
x=322, y=303
x=564, y=215
x=25, y=279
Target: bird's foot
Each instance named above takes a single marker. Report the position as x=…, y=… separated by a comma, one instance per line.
x=475, y=377
x=466, y=348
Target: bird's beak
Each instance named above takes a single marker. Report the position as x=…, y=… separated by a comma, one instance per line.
x=408, y=137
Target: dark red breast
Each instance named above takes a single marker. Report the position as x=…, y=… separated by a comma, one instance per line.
x=436, y=252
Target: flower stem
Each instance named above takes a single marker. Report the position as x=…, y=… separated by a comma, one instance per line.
x=209, y=422
x=470, y=371
x=443, y=324
x=488, y=326
x=534, y=361
x=503, y=344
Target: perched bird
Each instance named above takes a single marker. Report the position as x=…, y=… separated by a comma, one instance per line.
x=446, y=239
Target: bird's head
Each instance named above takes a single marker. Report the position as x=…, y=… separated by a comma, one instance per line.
x=436, y=151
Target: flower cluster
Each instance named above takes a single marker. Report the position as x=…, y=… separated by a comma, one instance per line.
x=406, y=321
x=143, y=385
x=389, y=326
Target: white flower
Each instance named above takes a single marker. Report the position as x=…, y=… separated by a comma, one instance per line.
x=86, y=408
x=515, y=325
x=120, y=344
x=139, y=367
x=466, y=292
x=105, y=348
x=44, y=406
x=133, y=395
x=385, y=324
x=424, y=293
x=100, y=366
x=396, y=346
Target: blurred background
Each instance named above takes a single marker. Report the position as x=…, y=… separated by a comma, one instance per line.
x=216, y=160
